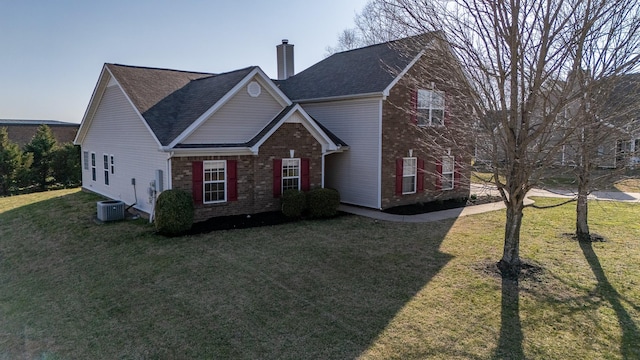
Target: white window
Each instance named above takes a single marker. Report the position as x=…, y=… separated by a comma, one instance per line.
x=105, y=163
x=290, y=174
x=113, y=165
x=448, y=172
x=93, y=166
x=85, y=160
x=215, y=181
x=430, y=107
x=409, y=175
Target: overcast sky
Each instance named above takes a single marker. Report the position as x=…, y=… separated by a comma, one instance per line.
x=52, y=52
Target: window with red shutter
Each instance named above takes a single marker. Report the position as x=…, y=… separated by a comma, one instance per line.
x=277, y=177
x=196, y=181
x=232, y=180
x=305, y=182
x=399, y=176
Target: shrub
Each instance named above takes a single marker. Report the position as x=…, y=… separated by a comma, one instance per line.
x=294, y=203
x=323, y=202
x=174, y=212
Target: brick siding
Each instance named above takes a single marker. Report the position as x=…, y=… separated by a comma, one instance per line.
x=255, y=172
x=399, y=135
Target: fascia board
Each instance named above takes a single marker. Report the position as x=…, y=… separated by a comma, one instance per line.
x=211, y=151
x=341, y=98
x=402, y=74
x=87, y=119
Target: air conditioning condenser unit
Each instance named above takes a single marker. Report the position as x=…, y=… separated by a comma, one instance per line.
x=110, y=210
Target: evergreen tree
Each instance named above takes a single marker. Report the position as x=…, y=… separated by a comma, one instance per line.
x=10, y=162
x=66, y=165
x=42, y=146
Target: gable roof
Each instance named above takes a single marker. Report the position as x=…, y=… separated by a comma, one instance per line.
x=367, y=70
x=172, y=100
x=318, y=131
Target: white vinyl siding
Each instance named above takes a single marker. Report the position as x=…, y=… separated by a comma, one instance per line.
x=355, y=173
x=239, y=120
x=118, y=131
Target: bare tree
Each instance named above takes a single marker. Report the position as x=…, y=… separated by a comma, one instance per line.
x=517, y=55
x=606, y=50
x=374, y=24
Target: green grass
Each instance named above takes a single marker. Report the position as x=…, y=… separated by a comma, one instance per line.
x=349, y=287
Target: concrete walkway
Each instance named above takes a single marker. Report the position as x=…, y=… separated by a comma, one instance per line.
x=481, y=190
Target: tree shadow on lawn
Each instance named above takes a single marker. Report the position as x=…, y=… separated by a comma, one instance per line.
x=628, y=346
x=311, y=289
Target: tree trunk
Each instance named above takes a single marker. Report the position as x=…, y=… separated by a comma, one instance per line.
x=509, y=265
x=582, y=208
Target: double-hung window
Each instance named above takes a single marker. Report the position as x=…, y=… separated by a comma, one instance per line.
x=448, y=170
x=430, y=107
x=113, y=165
x=214, y=181
x=409, y=175
x=105, y=161
x=93, y=166
x=290, y=174
x=85, y=160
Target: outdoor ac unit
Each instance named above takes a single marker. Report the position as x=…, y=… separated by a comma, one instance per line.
x=110, y=210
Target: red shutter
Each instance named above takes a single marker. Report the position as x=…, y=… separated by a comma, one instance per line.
x=304, y=174
x=277, y=177
x=399, y=176
x=232, y=180
x=414, y=106
x=457, y=175
x=438, y=175
x=420, y=177
x=196, y=176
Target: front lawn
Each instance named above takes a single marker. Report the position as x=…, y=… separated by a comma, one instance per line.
x=344, y=288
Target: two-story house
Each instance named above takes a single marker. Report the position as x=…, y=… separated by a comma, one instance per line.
x=381, y=124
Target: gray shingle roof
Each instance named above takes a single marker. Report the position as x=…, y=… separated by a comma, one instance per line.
x=360, y=71
x=263, y=133
x=171, y=100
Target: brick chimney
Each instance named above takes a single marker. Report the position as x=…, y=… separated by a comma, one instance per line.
x=285, y=60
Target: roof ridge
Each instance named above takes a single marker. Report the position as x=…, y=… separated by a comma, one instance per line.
x=227, y=73
x=388, y=42
x=162, y=69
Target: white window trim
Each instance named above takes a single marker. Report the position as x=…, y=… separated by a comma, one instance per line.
x=94, y=170
x=112, y=164
x=205, y=182
x=429, y=121
x=105, y=169
x=451, y=173
x=85, y=160
x=414, y=175
x=299, y=164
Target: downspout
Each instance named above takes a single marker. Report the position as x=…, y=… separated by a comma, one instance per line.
x=380, y=156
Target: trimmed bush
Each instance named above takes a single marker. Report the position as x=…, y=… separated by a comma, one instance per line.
x=174, y=212
x=323, y=203
x=294, y=203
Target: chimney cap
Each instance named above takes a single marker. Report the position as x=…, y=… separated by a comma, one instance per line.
x=285, y=41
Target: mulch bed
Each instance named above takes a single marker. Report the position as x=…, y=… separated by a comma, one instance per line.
x=276, y=217
x=240, y=222
x=439, y=205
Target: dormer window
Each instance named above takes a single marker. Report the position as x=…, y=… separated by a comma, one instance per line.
x=430, y=107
